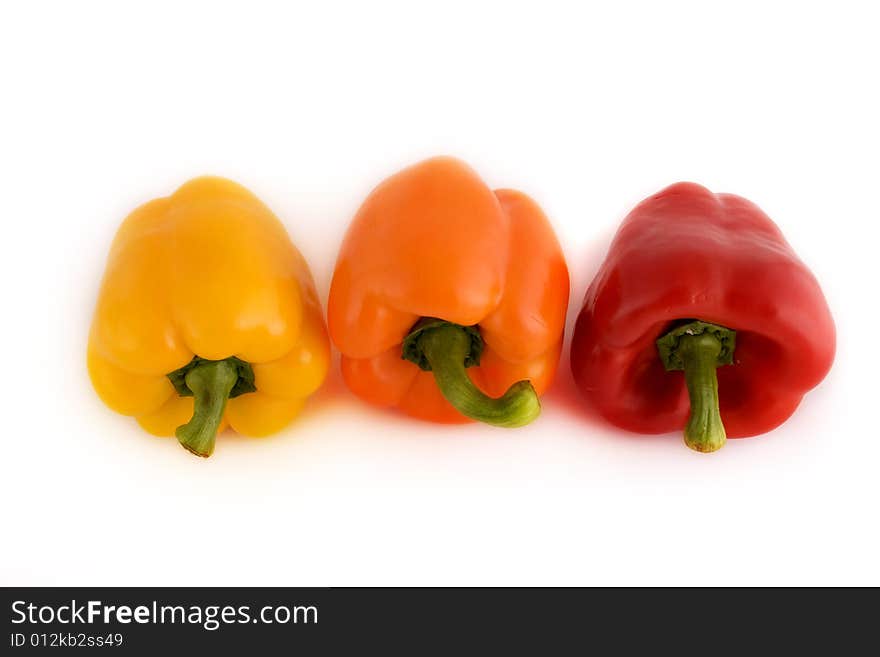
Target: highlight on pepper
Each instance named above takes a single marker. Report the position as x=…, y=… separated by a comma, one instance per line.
x=701, y=319
x=448, y=299
x=207, y=317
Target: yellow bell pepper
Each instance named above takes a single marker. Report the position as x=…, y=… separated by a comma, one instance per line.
x=207, y=316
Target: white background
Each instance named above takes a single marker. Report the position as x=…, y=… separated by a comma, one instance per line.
x=587, y=109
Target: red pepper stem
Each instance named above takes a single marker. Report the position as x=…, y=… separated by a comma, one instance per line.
x=210, y=381
x=704, y=431
x=446, y=349
x=699, y=348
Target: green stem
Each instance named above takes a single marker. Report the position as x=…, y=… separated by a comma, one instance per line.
x=447, y=349
x=210, y=381
x=704, y=431
x=699, y=349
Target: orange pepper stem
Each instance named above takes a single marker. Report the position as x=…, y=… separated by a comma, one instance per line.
x=447, y=349
x=699, y=348
x=210, y=381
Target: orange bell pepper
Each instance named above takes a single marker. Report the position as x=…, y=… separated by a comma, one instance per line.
x=448, y=300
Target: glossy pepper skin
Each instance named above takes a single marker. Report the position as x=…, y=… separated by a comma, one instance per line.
x=207, y=272
x=687, y=254
x=433, y=241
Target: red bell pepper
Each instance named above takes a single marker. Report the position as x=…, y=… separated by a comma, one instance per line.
x=700, y=313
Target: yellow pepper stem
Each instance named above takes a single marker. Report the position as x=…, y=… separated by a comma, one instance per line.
x=210, y=381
